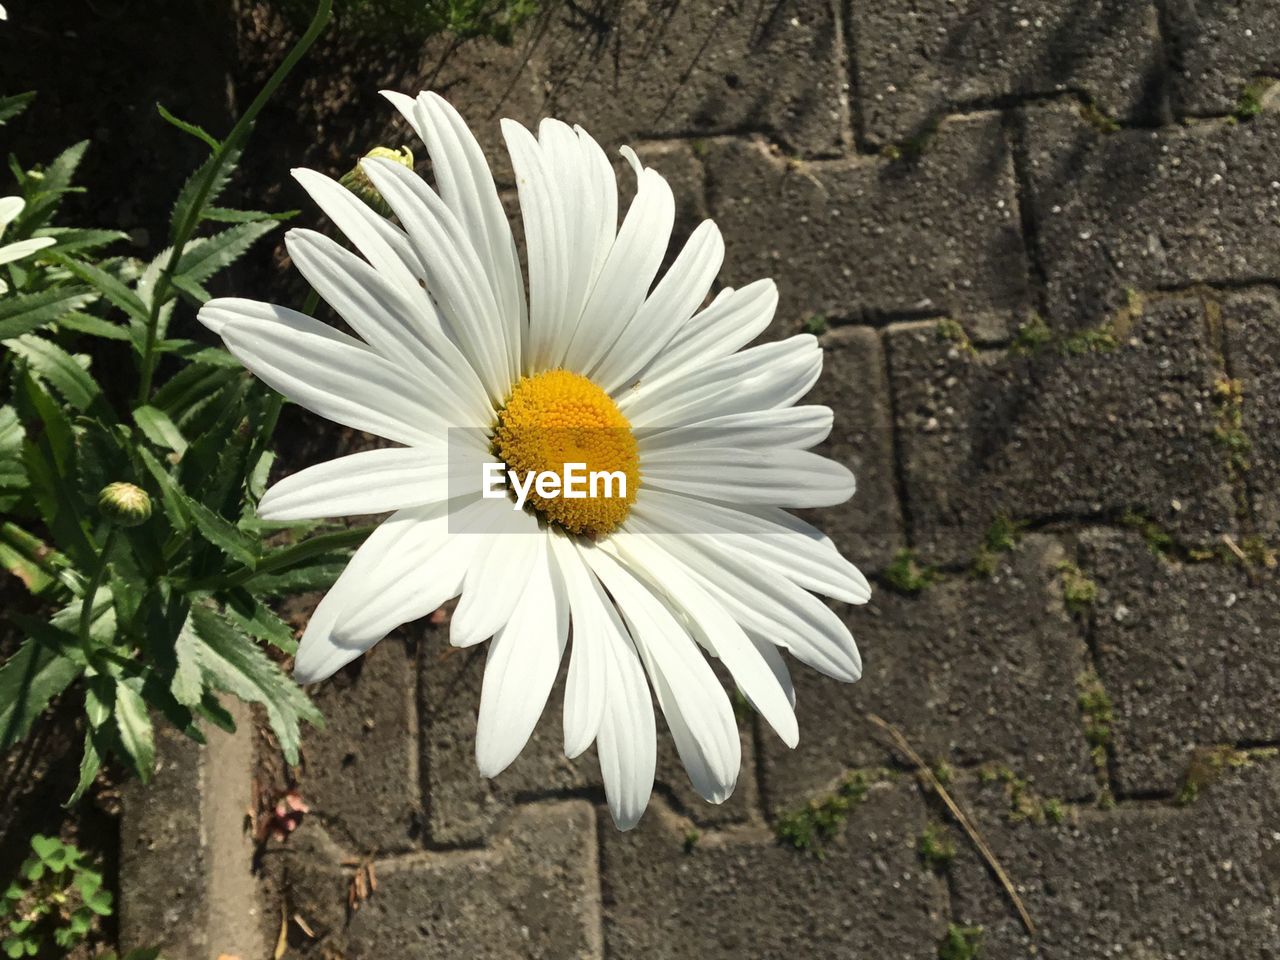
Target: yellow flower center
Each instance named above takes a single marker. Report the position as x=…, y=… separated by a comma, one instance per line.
x=557, y=418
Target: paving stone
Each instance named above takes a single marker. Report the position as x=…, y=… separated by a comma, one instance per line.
x=867, y=236
x=1058, y=434
x=463, y=806
x=1207, y=679
x=534, y=892
x=742, y=894
x=1146, y=209
x=1253, y=345
x=1219, y=48
x=651, y=70
x=1146, y=881
x=361, y=774
x=854, y=383
x=917, y=61
x=971, y=670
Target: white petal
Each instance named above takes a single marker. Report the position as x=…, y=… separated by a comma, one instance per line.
x=713, y=627
x=802, y=554
x=496, y=578
x=693, y=702
x=521, y=667
x=764, y=377
x=730, y=322
x=767, y=605
x=380, y=242
x=671, y=304
x=24, y=248
x=376, y=310
x=318, y=656
x=627, y=274
x=798, y=427
x=454, y=274
x=783, y=477
x=10, y=208
x=330, y=374
x=372, y=481
x=596, y=628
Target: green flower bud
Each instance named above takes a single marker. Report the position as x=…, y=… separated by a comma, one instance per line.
x=124, y=504
x=358, y=183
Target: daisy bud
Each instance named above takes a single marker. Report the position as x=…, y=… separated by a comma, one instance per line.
x=124, y=504
x=359, y=184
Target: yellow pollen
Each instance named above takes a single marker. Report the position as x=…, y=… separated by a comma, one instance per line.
x=555, y=418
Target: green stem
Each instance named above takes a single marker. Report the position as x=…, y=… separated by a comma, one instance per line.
x=235, y=139
x=33, y=550
x=91, y=595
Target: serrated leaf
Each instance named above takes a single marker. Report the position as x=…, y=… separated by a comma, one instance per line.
x=205, y=256
x=54, y=182
x=94, y=326
x=258, y=620
x=109, y=286
x=195, y=130
x=227, y=215
x=184, y=208
x=134, y=725
x=90, y=764
x=315, y=576
x=23, y=314
x=234, y=663
x=191, y=387
x=13, y=105
x=74, y=239
x=216, y=529
x=159, y=429
x=29, y=680
x=59, y=369
x=12, y=476
x=188, y=680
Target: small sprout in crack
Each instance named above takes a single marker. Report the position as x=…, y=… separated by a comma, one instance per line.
x=1078, y=591
x=951, y=331
x=1250, y=103
x=936, y=848
x=1001, y=537
x=907, y=575
x=961, y=943
x=1031, y=336
x=691, y=839
x=816, y=325
x=810, y=827
x=1098, y=119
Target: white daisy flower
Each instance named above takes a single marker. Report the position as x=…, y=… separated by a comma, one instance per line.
x=10, y=209
x=635, y=378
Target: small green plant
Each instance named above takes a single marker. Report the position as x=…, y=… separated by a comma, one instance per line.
x=1209, y=763
x=810, y=827
x=1098, y=119
x=131, y=462
x=936, y=848
x=691, y=838
x=961, y=943
x=1096, y=708
x=1159, y=541
x=55, y=900
x=1078, y=591
x=944, y=773
x=1031, y=336
x=1094, y=340
x=1001, y=537
x=1228, y=395
x=907, y=575
x=951, y=331
x=1250, y=103
x=816, y=325
x=1259, y=553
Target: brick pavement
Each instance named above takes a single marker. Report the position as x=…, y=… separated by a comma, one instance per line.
x=1046, y=240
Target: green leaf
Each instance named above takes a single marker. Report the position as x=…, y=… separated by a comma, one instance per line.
x=236, y=664
x=188, y=680
x=205, y=256
x=54, y=182
x=227, y=215
x=94, y=326
x=12, y=476
x=195, y=130
x=111, y=287
x=221, y=166
x=159, y=429
x=90, y=764
x=99, y=903
x=29, y=680
x=134, y=724
x=216, y=529
x=74, y=239
x=11, y=106
x=22, y=314
x=190, y=387
x=59, y=369
x=258, y=620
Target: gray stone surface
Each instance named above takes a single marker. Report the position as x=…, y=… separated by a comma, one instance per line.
x=1059, y=434
x=742, y=894
x=866, y=236
x=464, y=806
x=1144, y=881
x=917, y=61
x=532, y=893
x=1206, y=682
x=361, y=772
x=867, y=529
x=970, y=670
x=1219, y=48
x=1253, y=348
x=1145, y=209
